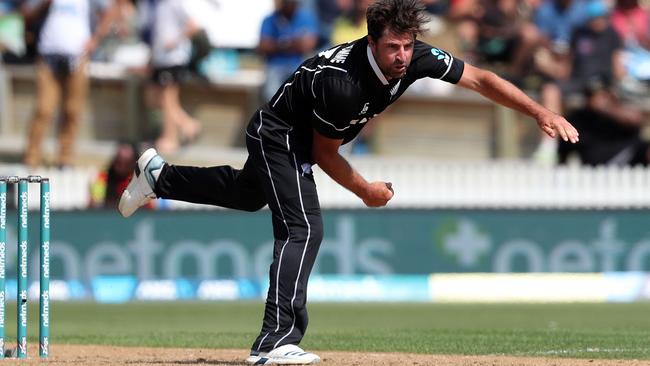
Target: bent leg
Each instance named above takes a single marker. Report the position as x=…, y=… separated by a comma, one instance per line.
x=220, y=186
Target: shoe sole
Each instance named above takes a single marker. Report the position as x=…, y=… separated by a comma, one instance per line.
x=256, y=360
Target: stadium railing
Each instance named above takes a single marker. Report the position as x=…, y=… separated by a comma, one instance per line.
x=421, y=184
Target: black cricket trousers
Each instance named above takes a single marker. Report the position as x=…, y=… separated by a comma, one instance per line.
x=278, y=174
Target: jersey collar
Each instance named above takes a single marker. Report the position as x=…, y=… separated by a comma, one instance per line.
x=375, y=67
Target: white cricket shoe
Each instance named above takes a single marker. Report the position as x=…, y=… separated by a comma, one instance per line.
x=140, y=189
x=289, y=354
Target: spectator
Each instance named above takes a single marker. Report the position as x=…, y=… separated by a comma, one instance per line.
x=171, y=29
x=65, y=43
x=7, y=6
x=595, y=52
x=287, y=35
x=327, y=12
x=632, y=23
x=110, y=183
x=12, y=43
x=124, y=32
x=351, y=26
x=609, y=130
x=466, y=15
x=436, y=7
x=498, y=31
x=556, y=21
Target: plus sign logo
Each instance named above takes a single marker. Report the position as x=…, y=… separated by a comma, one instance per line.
x=467, y=244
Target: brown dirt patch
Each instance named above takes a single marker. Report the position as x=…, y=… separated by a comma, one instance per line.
x=134, y=356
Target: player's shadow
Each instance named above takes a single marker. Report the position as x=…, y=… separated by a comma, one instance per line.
x=198, y=361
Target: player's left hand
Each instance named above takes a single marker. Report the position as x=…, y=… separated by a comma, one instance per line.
x=553, y=125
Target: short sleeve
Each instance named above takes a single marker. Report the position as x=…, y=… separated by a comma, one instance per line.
x=435, y=63
x=335, y=107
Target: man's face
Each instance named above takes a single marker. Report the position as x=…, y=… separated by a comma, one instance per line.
x=598, y=24
x=393, y=53
x=288, y=7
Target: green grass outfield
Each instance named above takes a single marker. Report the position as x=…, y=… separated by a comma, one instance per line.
x=616, y=331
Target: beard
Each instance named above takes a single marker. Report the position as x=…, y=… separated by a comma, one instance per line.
x=398, y=71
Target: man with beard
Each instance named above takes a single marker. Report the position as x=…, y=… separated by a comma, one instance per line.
x=324, y=104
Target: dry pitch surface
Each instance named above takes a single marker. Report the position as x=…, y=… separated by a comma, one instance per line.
x=132, y=356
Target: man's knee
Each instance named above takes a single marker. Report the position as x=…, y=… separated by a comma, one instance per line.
x=318, y=231
x=310, y=231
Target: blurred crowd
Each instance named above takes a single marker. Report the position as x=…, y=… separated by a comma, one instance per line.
x=587, y=59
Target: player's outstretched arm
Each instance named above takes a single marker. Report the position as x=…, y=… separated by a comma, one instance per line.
x=501, y=91
x=325, y=152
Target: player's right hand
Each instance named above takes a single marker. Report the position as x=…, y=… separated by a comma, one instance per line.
x=554, y=124
x=378, y=194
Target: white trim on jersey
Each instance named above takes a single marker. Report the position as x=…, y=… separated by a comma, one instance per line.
x=313, y=79
x=251, y=136
x=331, y=67
x=323, y=67
x=375, y=67
x=331, y=124
x=285, y=86
x=319, y=68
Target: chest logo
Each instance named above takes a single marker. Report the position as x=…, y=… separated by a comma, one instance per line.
x=394, y=90
x=328, y=54
x=342, y=55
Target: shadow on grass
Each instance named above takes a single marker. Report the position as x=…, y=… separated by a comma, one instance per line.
x=198, y=361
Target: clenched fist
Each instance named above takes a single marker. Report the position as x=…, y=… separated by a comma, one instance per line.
x=378, y=194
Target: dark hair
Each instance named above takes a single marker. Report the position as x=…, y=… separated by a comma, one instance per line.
x=400, y=16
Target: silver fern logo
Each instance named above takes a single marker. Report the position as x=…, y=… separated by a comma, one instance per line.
x=342, y=55
x=394, y=90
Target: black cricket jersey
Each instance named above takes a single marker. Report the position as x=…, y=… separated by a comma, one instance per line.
x=339, y=90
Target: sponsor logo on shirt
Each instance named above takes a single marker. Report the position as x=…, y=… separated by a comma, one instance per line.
x=441, y=55
x=363, y=120
x=365, y=108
